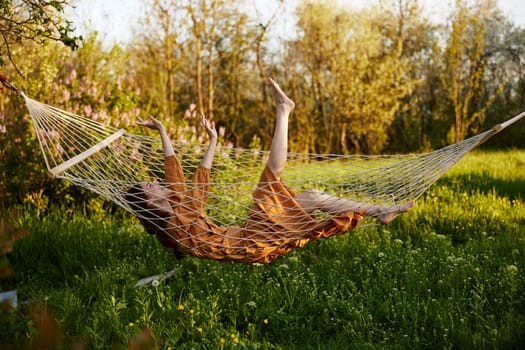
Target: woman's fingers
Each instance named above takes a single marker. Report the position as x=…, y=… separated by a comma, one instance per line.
x=204, y=121
x=151, y=123
x=208, y=125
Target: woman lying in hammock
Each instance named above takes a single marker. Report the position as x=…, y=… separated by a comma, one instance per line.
x=279, y=221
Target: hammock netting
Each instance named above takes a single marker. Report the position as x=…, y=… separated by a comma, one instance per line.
x=110, y=161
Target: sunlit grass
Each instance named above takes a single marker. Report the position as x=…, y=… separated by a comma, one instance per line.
x=448, y=274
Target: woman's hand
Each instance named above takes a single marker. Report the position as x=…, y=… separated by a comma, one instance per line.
x=207, y=160
x=151, y=123
x=154, y=124
x=209, y=126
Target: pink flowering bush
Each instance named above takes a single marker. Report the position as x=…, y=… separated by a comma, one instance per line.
x=92, y=82
x=96, y=88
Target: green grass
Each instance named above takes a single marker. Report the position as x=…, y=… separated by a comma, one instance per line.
x=449, y=274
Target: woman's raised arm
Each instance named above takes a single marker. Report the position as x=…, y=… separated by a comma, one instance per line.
x=154, y=124
x=212, y=133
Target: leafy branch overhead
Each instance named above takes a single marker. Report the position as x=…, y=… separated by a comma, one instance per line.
x=34, y=20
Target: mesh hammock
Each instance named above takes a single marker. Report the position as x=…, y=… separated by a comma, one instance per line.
x=110, y=161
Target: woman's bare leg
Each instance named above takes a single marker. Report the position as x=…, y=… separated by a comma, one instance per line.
x=279, y=149
x=313, y=199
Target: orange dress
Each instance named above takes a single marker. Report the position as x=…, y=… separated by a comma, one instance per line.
x=276, y=225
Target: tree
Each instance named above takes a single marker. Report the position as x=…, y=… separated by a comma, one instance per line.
x=33, y=20
x=206, y=17
x=465, y=68
x=236, y=81
x=356, y=73
x=156, y=59
x=315, y=57
x=505, y=74
x=165, y=16
x=406, y=22
x=374, y=82
x=262, y=31
x=208, y=45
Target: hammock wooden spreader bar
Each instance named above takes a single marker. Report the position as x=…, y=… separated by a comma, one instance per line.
x=58, y=170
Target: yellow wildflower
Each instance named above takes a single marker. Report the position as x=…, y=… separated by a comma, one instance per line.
x=181, y=307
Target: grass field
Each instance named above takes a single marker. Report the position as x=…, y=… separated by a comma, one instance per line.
x=450, y=274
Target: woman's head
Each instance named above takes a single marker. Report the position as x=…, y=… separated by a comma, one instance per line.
x=149, y=202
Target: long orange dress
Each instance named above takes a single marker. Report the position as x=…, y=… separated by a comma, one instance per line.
x=277, y=224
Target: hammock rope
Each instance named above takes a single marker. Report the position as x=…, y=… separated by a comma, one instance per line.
x=110, y=161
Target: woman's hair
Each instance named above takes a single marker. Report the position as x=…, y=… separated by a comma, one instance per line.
x=153, y=219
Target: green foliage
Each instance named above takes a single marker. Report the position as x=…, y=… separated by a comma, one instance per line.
x=94, y=85
x=465, y=70
x=349, y=58
x=448, y=274
x=39, y=21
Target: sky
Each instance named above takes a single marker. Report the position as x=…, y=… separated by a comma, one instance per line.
x=115, y=20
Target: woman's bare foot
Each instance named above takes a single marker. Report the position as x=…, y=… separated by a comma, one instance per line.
x=281, y=100
x=393, y=212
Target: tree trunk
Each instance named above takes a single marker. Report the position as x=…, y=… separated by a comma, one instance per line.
x=210, y=45
x=267, y=125
x=198, y=76
x=169, y=72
